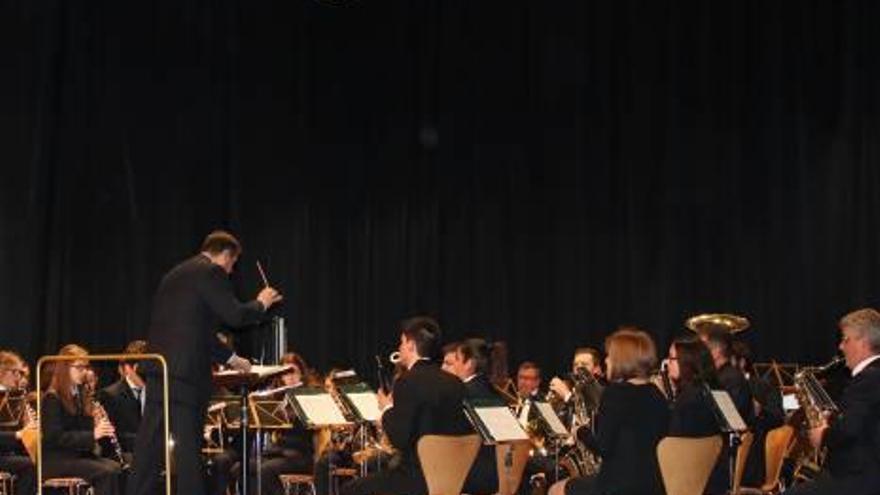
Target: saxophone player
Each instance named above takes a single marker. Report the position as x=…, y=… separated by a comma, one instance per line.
x=853, y=438
x=13, y=458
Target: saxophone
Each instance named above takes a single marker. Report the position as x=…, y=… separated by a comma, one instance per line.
x=818, y=407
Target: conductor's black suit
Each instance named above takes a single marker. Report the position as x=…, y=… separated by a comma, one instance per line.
x=193, y=300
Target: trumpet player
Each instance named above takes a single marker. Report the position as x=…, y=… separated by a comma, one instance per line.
x=70, y=430
x=13, y=458
x=852, y=439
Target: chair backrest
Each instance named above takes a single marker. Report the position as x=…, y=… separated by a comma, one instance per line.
x=742, y=455
x=446, y=461
x=511, y=459
x=687, y=463
x=775, y=448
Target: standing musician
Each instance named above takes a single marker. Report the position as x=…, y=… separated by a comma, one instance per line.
x=425, y=401
x=193, y=299
x=852, y=465
x=124, y=400
x=633, y=416
x=13, y=457
x=470, y=360
x=71, y=428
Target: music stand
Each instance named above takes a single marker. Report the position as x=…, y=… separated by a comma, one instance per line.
x=363, y=403
x=11, y=408
x=730, y=422
x=244, y=381
x=494, y=421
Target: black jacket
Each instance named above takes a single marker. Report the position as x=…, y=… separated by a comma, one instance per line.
x=124, y=410
x=692, y=415
x=483, y=476
x=65, y=435
x=853, y=440
x=630, y=422
x=193, y=300
x=734, y=382
x=427, y=400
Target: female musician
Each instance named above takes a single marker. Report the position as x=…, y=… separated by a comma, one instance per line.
x=633, y=416
x=13, y=457
x=690, y=370
x=292, y=450
x=70, y=431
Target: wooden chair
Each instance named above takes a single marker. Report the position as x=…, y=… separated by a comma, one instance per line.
x=293, y=483
x=742, y=456
x=687, y=463
x=446, y=461
x=73, y=486
x=7, y=483
x=775, y=448
x=511, y=459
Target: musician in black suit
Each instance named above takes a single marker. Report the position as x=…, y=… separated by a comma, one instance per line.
x=13, y=457
x=470, y=360
x=852, y=466
x=691, y=370
x=70, y=431
x=426, y=400
x=633, y=416
x=124, y=400
x=192, y=301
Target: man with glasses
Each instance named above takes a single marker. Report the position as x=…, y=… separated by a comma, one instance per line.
x=853, y=437
x=13, y=458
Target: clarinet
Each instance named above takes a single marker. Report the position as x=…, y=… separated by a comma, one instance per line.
x=101, y=413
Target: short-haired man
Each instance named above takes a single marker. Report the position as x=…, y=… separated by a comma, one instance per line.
x=426, y=401
x=852, y=466
x=124, y=400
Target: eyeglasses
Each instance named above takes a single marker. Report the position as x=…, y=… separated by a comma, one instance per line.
x=81, y=367
x=15, y=371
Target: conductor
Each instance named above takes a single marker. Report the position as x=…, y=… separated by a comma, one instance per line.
x=192, y=300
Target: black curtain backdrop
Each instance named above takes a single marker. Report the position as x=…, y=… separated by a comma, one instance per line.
x=537, y=172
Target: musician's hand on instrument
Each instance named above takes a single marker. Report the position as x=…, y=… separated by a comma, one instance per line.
x=386, y=400
x=238, y=363
x=268, y=296
x=817, y=434
x=560, y=388
x=104, y=430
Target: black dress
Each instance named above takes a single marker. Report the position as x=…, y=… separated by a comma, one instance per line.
x=631, y=421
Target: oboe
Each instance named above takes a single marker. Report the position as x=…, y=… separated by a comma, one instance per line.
x=100, y=413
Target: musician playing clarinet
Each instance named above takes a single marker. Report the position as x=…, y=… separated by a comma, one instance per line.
x=13, y=458
x=852, y=465
x=192, y=301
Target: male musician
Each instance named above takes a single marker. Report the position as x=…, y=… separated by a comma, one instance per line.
x=193, y=299
x=13, y=458
x=586, y=360
x=425, y=401
x=124, y=400
x=852, y=438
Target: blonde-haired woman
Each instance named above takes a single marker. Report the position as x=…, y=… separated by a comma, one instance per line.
x=633, y=416
x=70, y=432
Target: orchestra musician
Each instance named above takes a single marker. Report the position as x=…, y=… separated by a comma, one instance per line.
x=587, y=361
x=192, y=300
x=292, y=450
x=470, y=360
x=632, y=418
x=425, y=400
x=71, y=431
x=852, y=439
x=13, y=456
x=124, y=400
x=691, y=370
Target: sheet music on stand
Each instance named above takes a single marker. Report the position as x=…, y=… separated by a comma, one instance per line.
x=315, y=408
x=260, y=370
x=549, y=417
x=494, y=421
x=728, y=416
x=363, y=401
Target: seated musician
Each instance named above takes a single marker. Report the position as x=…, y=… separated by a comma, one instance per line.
x=13, y=456
x=586, y=361
x=767, y=404
x=291, y=451
x=470, y=360
x=124, y=400
x=691, y=369
x=70, y=431
x=425, y=400
x=852, y=438
x=633, y=416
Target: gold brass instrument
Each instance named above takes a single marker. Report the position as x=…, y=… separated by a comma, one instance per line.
x=729, y=322
x=818, y=408
x=30, y=436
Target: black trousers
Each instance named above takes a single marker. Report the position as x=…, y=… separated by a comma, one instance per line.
x=187, y=421
x=271, y=466
x=483, y=476
x=396, y=481
x=23, y=469
x=103, y=474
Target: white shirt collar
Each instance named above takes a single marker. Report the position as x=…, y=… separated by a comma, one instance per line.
x=864, y=364
x=417, y=360
x=131, y=384
x=468, y=379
